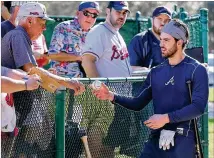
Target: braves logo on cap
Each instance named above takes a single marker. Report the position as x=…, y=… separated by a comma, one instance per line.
x=123, y=3
x=34, y=13
x=93, y=5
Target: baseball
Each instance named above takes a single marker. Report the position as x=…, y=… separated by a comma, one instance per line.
x=96, y=85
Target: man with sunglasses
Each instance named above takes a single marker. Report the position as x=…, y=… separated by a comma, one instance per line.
x=105, y=55
x=172, y=129
x=68, y=39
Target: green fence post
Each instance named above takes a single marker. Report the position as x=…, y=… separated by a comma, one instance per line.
x=204, y=31
x=205, y=44
x=183, y=14
x=60, y=124
x=175, y=11
x=137, y=18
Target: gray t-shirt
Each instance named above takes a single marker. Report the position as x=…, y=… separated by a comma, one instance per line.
x=110, y=50
x=16, y=49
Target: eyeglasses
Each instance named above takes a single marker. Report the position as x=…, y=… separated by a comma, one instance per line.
x=87, y=13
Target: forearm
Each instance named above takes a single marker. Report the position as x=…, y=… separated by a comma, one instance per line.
x=134, y=103
x=90, y=69
x=17, y=74
x=5, y=13
x=43, y=72
x=187, y=113
x=9, y=85
x=64, y=57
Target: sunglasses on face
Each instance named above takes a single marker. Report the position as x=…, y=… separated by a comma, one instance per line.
x=87, y=13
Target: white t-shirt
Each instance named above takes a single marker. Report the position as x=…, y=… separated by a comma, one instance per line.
x=110, y=50
x=39, y=46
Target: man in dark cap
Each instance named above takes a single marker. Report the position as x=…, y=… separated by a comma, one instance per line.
x=144, y=49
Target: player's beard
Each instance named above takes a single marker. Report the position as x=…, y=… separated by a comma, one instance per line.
x=171, y=51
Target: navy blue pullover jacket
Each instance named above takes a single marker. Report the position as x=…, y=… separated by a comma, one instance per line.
x=166, y=86
x=144, y=47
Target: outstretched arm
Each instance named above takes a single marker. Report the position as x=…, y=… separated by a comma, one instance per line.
x=55, y=80
x=131, y=103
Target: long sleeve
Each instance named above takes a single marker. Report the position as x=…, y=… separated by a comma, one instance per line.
x=199, y=86
x=139, y=102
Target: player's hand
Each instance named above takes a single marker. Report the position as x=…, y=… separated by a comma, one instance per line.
x=33, y=82
x=103, y=93
x=77, y=86
x=157, y=121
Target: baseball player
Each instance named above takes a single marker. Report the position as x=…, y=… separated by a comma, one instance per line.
x=172, y=132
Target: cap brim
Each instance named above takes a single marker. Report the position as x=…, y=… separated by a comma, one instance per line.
x=48, y=19
x=165, y=14
x=91, y=8
x=122, y=8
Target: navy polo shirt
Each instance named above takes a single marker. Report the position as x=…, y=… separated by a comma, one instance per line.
x=144, y=47
x=16, y=49
x=6, y=26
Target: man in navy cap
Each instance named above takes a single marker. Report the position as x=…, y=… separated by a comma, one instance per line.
x=68, y=39
x=144, y=49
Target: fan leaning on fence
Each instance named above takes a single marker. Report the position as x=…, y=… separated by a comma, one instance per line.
x=168, y=85
x=32, y=18
x=16, y=51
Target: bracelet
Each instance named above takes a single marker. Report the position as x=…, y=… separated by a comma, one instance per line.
x=25, y=85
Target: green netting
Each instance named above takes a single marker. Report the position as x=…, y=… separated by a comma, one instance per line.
x=195, y=29
x=112, y=131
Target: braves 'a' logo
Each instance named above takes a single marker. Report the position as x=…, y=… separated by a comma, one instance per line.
x=172, y=81
x=122, y=54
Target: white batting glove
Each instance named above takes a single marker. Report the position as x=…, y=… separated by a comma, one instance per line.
x=166, y=138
